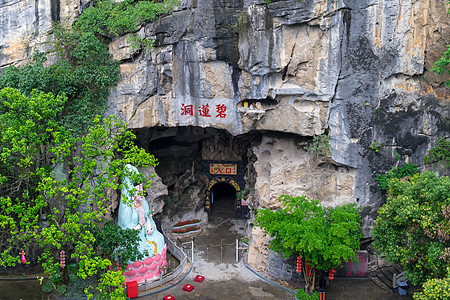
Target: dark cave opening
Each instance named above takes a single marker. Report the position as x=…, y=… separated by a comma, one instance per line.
x=184, y=155
x=223, y=200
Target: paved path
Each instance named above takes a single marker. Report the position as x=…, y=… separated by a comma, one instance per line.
x=224, y=278
x=224, y=281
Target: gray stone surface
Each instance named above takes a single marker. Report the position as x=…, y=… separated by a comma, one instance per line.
x=25, y=26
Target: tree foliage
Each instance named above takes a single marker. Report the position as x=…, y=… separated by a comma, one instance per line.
x=84, y=75
x=85, y=71
x=404, y=170
x=413, y=227
x=57, y=210
x=325, y=236
x=439, y=153
x=113, y=241
x=59, y=161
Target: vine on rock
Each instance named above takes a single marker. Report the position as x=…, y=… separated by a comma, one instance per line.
x=319, y=146
x=442, y=66
x=109, y=19
x=439, y=153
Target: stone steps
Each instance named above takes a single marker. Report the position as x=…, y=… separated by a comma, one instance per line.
x=381, y=284
x=383, y=277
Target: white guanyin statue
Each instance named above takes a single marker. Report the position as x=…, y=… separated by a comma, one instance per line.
x=137, y=215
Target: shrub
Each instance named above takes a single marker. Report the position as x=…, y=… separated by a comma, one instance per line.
x=413, y=227
x=302, y=295
x=403, y=171
x=434, y=289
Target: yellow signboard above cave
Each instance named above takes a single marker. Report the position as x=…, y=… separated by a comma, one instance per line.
x=223, y=169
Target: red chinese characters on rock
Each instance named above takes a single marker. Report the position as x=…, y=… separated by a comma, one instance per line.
x=187, y=110
x=221, y=109
x=204, y=110
x=361, y=263
x=229, y=169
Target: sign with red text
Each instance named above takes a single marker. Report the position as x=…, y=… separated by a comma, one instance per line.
x=223, y=169
x=204, y=110
x=358, y=268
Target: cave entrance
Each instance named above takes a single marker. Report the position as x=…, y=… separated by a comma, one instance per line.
x=192, y=160
x=221, y=197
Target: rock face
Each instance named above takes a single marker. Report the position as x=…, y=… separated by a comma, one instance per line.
x=25, y=26
x=282, y=167
x=274, y=74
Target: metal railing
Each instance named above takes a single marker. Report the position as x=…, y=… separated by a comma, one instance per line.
x=164, y=278
x=233, y=249
x=244, y=248
x=189, y=248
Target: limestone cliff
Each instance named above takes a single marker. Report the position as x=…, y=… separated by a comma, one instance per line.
x=272, y=75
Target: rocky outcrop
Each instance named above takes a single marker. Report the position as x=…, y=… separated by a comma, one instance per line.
x=283, y=167
x=25, y=26
x=358, y=70
x=276, y=74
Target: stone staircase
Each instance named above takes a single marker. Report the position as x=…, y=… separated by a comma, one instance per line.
x=383, y=277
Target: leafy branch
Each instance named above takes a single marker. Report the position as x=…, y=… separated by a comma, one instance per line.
x=319, y=146
x=439, y=153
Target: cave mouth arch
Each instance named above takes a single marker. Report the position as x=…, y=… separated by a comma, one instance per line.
x=221, y=197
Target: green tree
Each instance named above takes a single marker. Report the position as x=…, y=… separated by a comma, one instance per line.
x=85, y=71
x=439, y=153
x=396, y=173
x=40, y=205
x=42, y=134
x=413, y=227
x=324, y=236
x=442, y=66
x=84, y=75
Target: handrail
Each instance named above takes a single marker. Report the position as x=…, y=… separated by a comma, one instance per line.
x=179, y=254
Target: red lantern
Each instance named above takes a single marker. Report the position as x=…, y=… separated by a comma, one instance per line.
x=331, y=273
x=62, y=257
x=299, y=264
x=22, y=257
x=308, y=268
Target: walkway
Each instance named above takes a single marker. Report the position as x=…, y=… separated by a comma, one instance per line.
x=224, y=278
